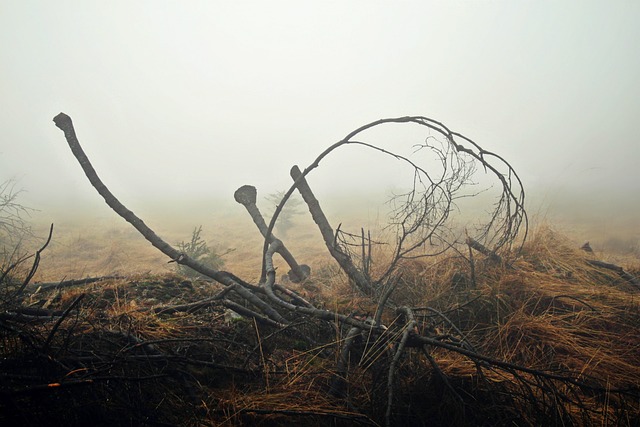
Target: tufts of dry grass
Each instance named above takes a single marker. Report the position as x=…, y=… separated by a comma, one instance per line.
x=548, y=312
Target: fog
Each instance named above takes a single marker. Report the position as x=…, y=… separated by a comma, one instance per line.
x=182, y=101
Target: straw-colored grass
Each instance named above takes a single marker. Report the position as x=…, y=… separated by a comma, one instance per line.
x=547, y=310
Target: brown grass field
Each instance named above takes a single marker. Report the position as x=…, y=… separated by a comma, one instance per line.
x=105, y=353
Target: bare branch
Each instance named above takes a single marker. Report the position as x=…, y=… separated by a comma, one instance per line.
x=327, y=233
x=246, y=196
x=64, y=122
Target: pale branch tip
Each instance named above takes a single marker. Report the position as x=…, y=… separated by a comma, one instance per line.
x=246, y=195
x=63, y=121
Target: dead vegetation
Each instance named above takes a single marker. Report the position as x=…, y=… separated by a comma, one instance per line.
x=444, y=326
x=551, y=340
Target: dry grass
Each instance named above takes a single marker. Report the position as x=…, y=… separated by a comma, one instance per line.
x=549, y=311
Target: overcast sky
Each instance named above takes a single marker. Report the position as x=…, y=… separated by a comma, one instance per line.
x=180, y=98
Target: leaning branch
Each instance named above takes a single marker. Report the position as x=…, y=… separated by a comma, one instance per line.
x=64, y=122
x=246, y=196
x=327, y=232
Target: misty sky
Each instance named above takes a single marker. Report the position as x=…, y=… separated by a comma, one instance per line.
x=179, y=98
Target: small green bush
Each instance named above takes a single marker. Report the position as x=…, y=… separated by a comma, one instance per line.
x=200, y=251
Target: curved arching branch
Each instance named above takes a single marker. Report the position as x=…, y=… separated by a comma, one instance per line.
x=421, y=216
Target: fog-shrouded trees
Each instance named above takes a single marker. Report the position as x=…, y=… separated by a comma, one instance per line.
x=14, y=227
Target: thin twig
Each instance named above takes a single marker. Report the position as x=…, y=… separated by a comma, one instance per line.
x=36, y=263
x=75, y=302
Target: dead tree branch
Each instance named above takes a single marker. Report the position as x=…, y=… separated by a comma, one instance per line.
x=421, y=217
x=474, y=244
x=64, y=122
x=36, y=262
x=327, y=233
x=339, y=383
x=246, y=196
x=421, y=222
x=621, y=272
